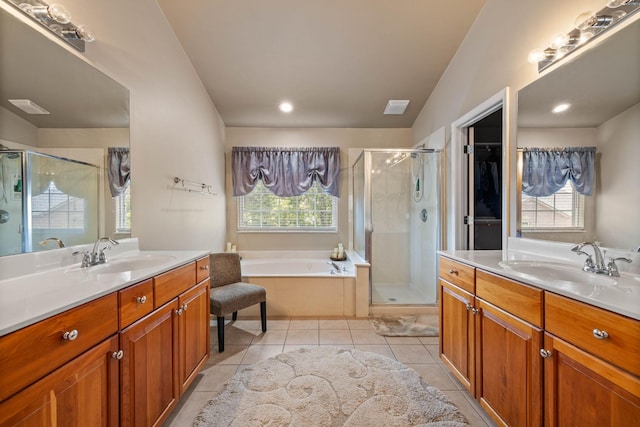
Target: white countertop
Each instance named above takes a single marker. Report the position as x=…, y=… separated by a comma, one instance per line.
x=29, y=298
x=623, y=300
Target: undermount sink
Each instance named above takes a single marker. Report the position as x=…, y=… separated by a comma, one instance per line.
x=125, y=265
x=551, y=271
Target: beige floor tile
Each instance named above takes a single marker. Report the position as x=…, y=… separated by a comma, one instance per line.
x=189, y=407
x=409, y=353
x=333, y=324
x=295, y=347
x=303, y=324
x=274, y=336
x=232, y=355
x=245, y=325
x=366, y=337
x=381, y=349
x=335, y=337
x=403, y=340
x=434, y=350
x=273, y=324
x=429, y=340
x=213, y=377
x=258, y=353
x=458, y=399
x=302, y=336
x=434, y=375
x=359, y=324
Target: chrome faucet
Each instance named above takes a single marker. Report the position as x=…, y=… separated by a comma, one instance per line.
x=589, y=265
x=598, y=267
x=59, y=242
x=97, y=255
x=336, y=266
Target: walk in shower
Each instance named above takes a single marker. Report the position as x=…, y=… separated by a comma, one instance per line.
x=397, y=218
x=44, y=196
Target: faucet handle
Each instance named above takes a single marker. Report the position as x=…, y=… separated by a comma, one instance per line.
x=86, y=258
x=612, y=268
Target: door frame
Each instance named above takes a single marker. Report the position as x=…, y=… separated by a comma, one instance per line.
x=457, y=191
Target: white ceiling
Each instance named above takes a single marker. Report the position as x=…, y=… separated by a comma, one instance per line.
x=337, y=61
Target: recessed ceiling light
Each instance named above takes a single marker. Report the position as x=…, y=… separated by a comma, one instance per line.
x=28, y=106
x=396, y=106
x=286, y=107
x=561, y=108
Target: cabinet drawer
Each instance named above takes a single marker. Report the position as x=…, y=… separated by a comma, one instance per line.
x=516, y=298
x=459, y=274
x=576, y=322
x=202, y=269
x=34, y=351
x=134, y=302
x=169, y=285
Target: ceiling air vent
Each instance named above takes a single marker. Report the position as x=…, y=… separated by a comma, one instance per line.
x=396, y=106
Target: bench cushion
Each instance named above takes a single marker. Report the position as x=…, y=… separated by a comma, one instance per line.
x=234, y=297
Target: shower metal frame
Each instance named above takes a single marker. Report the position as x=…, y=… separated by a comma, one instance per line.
x=367, y=205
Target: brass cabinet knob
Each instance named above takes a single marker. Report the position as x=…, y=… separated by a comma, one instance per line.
x=142, y=299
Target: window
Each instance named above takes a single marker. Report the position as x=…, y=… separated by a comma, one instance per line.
x=123, y=211
x=261, y=210
x=561, y=210
x=54, y=209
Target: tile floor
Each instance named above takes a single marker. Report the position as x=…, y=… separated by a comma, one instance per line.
x=245, y=344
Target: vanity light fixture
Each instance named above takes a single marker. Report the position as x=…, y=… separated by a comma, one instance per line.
x=286, y=107
x=588, y=25
x=57, y=19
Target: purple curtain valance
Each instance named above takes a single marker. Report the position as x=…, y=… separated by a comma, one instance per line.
x=285, y=171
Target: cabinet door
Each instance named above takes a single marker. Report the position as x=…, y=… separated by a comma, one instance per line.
x=194, y=332
x=83, y=392
x=148, y=372
x=457, y=333
x=583, y=390
x=508, y=367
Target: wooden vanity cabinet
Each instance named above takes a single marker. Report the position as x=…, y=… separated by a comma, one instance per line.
x=164, y=350
x=457, y=325
x=83, y=392
x=591, y=368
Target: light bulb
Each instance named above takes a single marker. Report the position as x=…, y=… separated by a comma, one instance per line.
x=586, y=20
x=559, y=40
x=612, y=4
x=536, y=55
x=59, y=13
x=618, y=15
x=585, y=36
x=85, y=33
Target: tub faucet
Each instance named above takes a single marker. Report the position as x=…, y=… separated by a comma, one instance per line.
x=336, y=266
x=59, y=242
x=598, y=266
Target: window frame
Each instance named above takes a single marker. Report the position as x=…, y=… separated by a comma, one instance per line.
x=240, y=204
x=122, y=202
x=578, y=211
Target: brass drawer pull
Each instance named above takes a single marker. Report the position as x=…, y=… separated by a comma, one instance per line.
x=452, y=271
x=598, y=334
x=70, y=335
x=142, y=299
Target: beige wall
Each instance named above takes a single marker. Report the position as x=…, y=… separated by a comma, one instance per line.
x=305, y=137
x=175, y=129
x=493, y=56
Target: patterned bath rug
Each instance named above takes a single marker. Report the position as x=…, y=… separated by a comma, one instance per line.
x=329, y=387
x=405, y=325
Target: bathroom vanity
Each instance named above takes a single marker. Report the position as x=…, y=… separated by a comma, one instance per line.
x=119, y=352
x=535, y=351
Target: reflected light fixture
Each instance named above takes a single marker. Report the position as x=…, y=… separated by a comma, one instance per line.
x=57, y=19
x=561, y=108
x=587, y=26
x=286, y=107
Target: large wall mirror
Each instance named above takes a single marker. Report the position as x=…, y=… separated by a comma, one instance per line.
x=602, y=86
x=88, y=114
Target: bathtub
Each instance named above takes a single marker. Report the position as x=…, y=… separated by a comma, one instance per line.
x=301, y=283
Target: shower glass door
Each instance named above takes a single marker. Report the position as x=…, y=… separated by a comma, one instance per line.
x=397, y=209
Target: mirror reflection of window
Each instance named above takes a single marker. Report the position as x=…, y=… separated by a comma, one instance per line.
x=53, y=210
x=123, y=211
x=562, y=210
